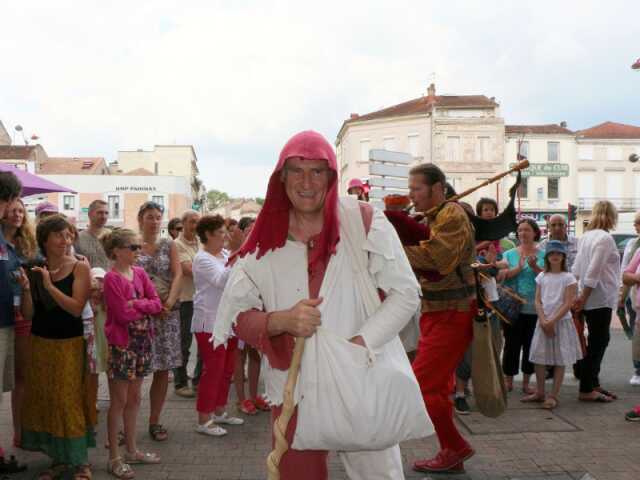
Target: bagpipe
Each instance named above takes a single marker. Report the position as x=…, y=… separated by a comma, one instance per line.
x=412, y=231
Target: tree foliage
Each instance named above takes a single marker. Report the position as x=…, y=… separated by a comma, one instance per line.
x=217, y=198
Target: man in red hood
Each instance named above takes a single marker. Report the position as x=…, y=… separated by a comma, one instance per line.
x=301, y=206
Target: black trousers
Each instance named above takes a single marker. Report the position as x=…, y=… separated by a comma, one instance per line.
x=180, y=376
x=517, y=338
x=598, y=323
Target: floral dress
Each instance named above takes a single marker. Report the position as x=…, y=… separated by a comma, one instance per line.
x=166, y=349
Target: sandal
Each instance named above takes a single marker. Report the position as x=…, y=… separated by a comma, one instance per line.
x=158, y=432
x=119, y=469
x=53, y=473
x=83, y=472
x=139, y=458
x=600, y=398
x=550, y=403
x=606, y=393
x=527, y=390
x=532, y=398
x=247, y=407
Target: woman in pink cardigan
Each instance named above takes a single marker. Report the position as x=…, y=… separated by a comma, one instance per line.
x=130, y=298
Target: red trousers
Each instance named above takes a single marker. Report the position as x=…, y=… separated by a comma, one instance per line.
x=217, y=370
x=444, y=337
x=312, y=462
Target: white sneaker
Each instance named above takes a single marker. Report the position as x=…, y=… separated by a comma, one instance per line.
x=635, y=380
x=225, y=419
x=211, y=429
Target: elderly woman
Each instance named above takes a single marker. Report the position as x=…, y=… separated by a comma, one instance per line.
x=520, y=267
x=597, y=268
x=210, y=274
x=21, y=247
x=55, y=413
x=159, y=258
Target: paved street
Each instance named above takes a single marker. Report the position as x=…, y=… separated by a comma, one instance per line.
x=525, y=443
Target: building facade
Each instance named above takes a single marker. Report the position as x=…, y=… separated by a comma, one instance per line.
x=604, y=171
x=5, y=139
x=548, y=185
x=124, y=195
x=171, y=160
x=462, y=134
x=238, y=208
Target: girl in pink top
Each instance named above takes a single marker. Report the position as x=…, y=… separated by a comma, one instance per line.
x=130, y=298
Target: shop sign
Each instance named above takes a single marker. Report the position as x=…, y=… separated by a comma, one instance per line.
x=136, y=188
x=551, y=170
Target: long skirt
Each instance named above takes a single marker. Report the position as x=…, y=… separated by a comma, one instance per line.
x=56, y=417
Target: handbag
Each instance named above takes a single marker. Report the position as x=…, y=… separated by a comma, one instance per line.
x=489, y=388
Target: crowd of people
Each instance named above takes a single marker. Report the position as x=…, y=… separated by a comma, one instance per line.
x=124, y=303
x=129, y=304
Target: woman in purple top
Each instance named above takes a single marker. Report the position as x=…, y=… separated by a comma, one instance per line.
x=130, y=299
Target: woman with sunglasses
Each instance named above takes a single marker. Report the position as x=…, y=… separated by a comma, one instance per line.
x=130, y=298
x=159, y=258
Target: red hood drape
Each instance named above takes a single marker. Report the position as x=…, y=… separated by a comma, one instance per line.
x=272, y=225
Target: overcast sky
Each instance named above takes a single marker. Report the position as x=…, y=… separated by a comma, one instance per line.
x=236, y=79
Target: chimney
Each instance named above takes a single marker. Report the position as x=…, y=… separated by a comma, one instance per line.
x=353, y=116
x=563, y=124
x=431, y=91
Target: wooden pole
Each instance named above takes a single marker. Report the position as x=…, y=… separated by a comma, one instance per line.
x=288, y=407
x=518, y=166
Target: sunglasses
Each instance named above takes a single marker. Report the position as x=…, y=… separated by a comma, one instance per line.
x=134, y=247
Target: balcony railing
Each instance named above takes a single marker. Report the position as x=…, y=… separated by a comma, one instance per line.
x=621, y=203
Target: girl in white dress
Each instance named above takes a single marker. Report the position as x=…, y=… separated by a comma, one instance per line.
x=555, y=341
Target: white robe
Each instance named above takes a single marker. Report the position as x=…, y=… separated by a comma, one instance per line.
x=280, y=279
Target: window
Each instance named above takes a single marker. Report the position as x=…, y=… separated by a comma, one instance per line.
x=585, y=189
x=389, y=144
x=553, y=151
x=69, y=202
x=159, y=199
x=453, y=149
x=614, y=153
x=553, y=188
x=365, y=146
x=524, y=188
x=414, y=145
x=114, y=206
x=483, y=149
x=524, y=149
x=614, y=188
x=585, y=152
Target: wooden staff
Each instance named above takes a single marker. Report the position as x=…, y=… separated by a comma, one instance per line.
x=288, y=407
x=517, y=167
